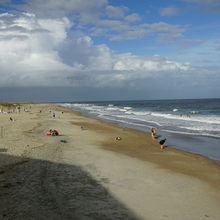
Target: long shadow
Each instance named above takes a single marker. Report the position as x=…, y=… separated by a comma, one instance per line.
x=37, y=189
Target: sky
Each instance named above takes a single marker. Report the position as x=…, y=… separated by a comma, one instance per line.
x=89, y=50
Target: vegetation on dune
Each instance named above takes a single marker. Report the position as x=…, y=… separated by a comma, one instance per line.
x=11, y=104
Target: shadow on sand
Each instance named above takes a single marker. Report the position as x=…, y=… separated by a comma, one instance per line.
x=37, y=189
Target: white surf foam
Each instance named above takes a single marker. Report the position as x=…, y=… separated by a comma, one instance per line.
x=191, y=133
x=197, y=124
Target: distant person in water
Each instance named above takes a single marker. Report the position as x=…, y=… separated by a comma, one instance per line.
x=54, y=115
x=153, y=133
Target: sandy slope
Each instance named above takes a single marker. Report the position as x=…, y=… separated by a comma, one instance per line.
x=93, y=176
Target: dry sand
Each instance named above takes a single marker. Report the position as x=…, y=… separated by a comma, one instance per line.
x=93, y=176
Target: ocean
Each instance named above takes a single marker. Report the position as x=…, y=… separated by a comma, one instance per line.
x=191, y=125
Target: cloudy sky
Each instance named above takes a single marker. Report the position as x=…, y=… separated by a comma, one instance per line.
x=70, y=50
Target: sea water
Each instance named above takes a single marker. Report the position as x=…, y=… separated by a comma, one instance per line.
x=191, y=124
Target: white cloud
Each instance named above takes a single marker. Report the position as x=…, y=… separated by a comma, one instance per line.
x=42, y=53
x=167, y=32
x=85, y=10
x=170, y=11
x=98, y=18
x=113, y=24
x=164, y=32
x=132, y=18
x=115, y=12
x=156, y=63
x=205, y=6
x=33, y=56
x=163, y=27
x=200, y=1
x=136, y=33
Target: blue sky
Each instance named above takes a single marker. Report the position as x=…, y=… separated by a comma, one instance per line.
x=108, y=49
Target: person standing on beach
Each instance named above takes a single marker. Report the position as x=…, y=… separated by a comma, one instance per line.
x=153, y=133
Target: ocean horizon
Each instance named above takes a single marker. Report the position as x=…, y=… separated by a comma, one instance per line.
x=191, y=125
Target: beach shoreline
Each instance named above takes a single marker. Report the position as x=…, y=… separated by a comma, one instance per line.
x=153, y=148
x=132, y=171
x=208, y=145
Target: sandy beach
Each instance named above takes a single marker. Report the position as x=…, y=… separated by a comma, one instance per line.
x=85, y=173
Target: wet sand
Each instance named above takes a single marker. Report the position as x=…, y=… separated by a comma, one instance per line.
x=93, y=176
x=203, y=145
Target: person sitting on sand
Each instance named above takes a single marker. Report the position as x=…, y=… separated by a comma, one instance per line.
x=55, y=133
x=52, y=133
x=153, y=133
x=49, y=132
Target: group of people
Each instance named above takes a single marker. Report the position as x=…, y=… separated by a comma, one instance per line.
x=52, y=133
x=154, y=136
